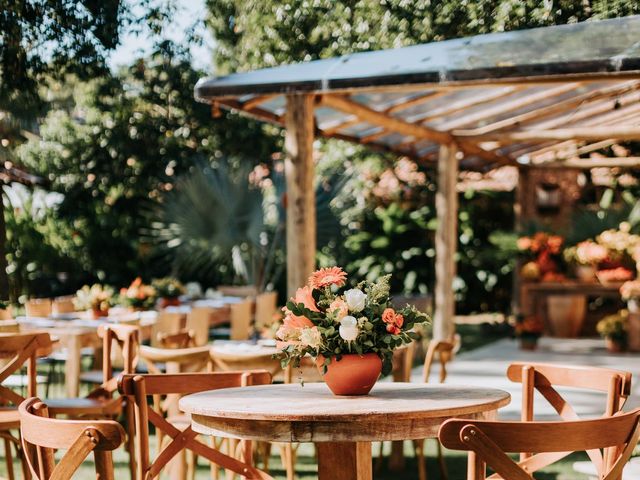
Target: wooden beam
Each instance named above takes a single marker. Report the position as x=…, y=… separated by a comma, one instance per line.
x=340, y=126
x=577, y=133
x=588, y=163
x=394, y=124
x=255, y=101
x=300, y=202
x=446, y=242
x=616, y=89
x=416, y=101
x=389, y=122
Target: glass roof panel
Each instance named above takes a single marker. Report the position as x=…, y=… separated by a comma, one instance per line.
x=579, y=48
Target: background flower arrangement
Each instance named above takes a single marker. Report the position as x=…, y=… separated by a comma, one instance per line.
x=138, y=295
x=325, y=321
x=97, y=298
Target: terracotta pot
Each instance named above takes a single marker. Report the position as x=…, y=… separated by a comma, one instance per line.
x=353, y=374
x=169, y=302
x=528, y=343
x=97, y=313
x=613, y=345
x=566, y=314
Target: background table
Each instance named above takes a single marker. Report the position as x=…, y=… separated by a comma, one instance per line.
x=344, y=427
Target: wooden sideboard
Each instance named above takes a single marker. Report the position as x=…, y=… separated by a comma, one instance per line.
x=534, y=300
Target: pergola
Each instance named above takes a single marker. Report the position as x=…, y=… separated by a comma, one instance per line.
x=541, y=97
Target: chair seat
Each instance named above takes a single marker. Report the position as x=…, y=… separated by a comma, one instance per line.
x=9, y=418
x=84, y=406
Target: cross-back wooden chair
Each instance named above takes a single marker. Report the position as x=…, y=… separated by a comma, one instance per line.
x=15, y=350
x=489, y=442
x=440, y=351
x=38, y=307
x=266, y=307
x=167, y=323
x=42, y=435
x=545, y=377
x=182, y=437
x=199, y=322
x=101, y=403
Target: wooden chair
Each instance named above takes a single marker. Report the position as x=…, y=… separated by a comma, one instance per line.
x=199, y=322
x=42, y=435
x=489, y=442
x=38, y=307
x=101, y=403
x=15, y=351
x=241, y=320
x=62, y=305
x=442, y=352
x=182, y=437
x=6, y=313
x=238, y=290
x=266, y=307
x=167, y=323
x=544, y=377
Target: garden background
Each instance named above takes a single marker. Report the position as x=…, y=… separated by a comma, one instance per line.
x=134, y=178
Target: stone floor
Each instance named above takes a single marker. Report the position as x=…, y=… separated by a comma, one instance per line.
x=487, y=366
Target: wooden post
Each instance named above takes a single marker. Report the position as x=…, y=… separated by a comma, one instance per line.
x=301, y=202
x=446, y=242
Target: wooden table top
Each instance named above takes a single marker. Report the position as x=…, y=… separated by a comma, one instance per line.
x=311, y=412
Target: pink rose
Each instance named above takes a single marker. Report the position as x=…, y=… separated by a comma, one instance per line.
x=339, y=308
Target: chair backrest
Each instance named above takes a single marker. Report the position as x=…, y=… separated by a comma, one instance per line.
x=42, y=436
x=543, y=377
x=38, y=307
x=238, y=290
x=241, y=320
x=228, y=361
x=139, y=387
x=120, y=347
x=266, y=307
x=167, y=323
x=63, y=305
x=177, y=360
x=15, y=350
x=198, y=321
x=490, y=441
x=6, y=313
x=182, y=339
x=441, y=349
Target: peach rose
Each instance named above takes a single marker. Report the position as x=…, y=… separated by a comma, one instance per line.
x=389, y=316
x=339, y=307
x=304, y=295
x=399, y=320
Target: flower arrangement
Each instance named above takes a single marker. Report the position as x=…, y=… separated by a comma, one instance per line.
x=544, y=253
x=614, y=275
x=630, y=290
x=614, y=326
x=96, y=297
x=138, y=295
x=589, y=253
x=327, y=322
x=168, y=287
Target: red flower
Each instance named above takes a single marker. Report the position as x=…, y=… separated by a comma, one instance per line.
x=399, y=320
x=393, y=329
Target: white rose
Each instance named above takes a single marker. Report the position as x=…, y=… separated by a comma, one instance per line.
x=349, y=328
x=355, y=299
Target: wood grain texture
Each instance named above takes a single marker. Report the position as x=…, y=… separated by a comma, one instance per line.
x=446, y=242
x=300, y=201
x=293, y=413
x=344, y=461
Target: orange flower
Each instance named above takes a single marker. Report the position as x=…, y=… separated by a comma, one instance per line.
x=393, y=329
x=389, y=316
x=524, y=243
x=399, y=320
x=304, y=296
x=328, y=276
x=555, y=244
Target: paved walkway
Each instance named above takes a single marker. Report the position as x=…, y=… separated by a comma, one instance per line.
x=487, y=366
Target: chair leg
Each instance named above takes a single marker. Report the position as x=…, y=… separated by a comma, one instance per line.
x=8, y=455
x=131, y=437
x=379, y=461
x=444, y=475
x=418, y=449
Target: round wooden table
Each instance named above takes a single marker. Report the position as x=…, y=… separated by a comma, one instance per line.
x=343, y=427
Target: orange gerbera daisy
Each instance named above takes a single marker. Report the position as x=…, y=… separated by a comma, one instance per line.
x=328, y=276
